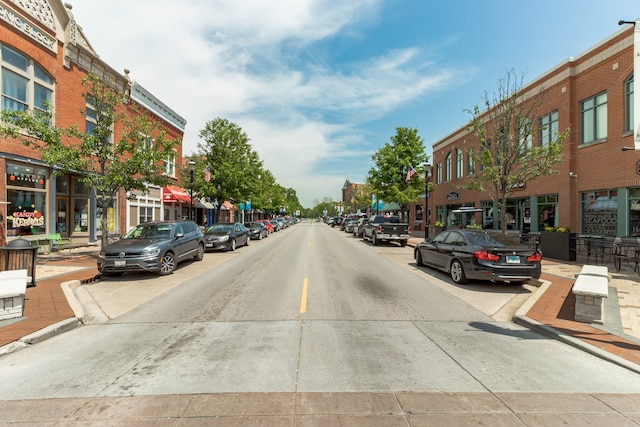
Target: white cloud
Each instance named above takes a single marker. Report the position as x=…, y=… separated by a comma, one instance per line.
x=238, y=59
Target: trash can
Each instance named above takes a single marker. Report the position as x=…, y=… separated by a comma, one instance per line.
x=19, y=255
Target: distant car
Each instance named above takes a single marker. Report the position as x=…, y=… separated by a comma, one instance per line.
x=358, y=229
x=226, y=236
x=350, y=225
x=276, y=225
x=153, y=246
x=267, y=224
x=480, y=255
x=257, y=230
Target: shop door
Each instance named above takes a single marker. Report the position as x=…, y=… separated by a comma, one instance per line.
x=62, y=216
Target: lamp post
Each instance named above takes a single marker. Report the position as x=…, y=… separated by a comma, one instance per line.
x=427, y=216
x=191, y=165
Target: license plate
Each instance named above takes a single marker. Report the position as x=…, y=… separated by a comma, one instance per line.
x=511, y=259
x=119, y=263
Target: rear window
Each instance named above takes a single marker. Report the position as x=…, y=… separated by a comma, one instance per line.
x=493, y=239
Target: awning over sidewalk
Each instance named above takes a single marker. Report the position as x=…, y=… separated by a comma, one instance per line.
x=173, y=194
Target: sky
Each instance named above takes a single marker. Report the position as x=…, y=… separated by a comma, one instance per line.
x=319, y=86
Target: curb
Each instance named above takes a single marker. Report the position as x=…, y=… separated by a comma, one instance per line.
x=41, y=335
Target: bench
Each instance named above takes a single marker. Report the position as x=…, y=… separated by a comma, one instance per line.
x=53, y=242
x=13, y=288
x=591, y=288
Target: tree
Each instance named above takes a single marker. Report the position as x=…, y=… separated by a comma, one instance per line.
x=387, y=177
x=236, y=169
x=132, y=162
x=505, y=127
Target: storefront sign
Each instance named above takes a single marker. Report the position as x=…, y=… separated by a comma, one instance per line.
x=27, y=219
x=453, y=195
x=21, y=24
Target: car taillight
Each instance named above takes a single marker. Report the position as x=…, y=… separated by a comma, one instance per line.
x=409, y=230
x=535, y=257
x=379, y=229
x=484, y=255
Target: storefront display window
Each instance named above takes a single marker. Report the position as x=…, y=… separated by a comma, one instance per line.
x=600, y=212
x=634, y=212
x=27, y=197
x=547, y=206
x=80, y=215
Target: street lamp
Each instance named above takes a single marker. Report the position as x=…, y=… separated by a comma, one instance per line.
x=191, y=165
x=427, y=217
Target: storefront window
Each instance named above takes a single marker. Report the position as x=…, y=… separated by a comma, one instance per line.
x=547, y=206
x=634, y=212
x=111, y=217
x=600, y=212
x=80, y=215
x=27, y=197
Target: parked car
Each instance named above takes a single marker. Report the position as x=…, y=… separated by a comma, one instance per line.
x=349, y=226
x=226, y=236
x=480, y=255
x=381, y=228
x=267, y=224
x=275, y=224
x=257, y=230
x=153, y=246
x=358, y=229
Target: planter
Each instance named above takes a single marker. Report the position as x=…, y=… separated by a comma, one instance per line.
x=560, y=246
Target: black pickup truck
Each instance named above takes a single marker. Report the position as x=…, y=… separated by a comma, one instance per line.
x=381, y=228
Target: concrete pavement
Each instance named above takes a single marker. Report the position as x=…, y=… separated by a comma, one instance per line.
x=52, y=308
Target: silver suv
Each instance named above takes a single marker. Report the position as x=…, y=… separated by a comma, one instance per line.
x=153, y=246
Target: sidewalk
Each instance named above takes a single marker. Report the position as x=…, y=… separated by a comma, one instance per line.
x=48, y=310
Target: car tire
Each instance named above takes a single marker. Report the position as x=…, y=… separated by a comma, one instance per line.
x=233, y=245
x=419, y=260
x=456, y=271
x=167, y=264
x=199, y=252
x=248, y=241
x=403, y=243
x=374, y=240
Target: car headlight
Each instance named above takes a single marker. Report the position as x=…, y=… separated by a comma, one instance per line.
x=224, y=238
x=152, y=251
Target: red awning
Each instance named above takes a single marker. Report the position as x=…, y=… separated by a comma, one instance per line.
x=174, y=194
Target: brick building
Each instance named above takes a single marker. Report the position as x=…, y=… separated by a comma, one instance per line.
x=597, y=189
x=45, y=56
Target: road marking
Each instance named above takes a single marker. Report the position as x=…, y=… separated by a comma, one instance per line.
x=303, y=302
x=309, y=244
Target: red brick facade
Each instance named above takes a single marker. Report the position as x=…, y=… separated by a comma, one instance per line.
x=595, y=171
x=54, y=204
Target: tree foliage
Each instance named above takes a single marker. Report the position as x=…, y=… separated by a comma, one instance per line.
x=132, y=162
x=387, y=176
x=237, y=172
x=505, y=125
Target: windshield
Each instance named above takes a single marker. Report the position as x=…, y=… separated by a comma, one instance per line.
x=150, y=231
x=220, y=228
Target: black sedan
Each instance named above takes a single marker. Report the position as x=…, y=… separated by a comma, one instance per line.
x=480, y=255
x=226, y=236
x=257, y=230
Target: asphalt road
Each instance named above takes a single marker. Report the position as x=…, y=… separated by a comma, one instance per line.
x=309, y=309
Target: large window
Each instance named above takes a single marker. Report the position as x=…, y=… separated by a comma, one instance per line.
x=27, y=197
x=628, y=103
x=146, y=214
x=548, y=128
x=25, y=84
x=459, y=163
x=471, y=164
x=600, y=212
x=439, y=173
x=593, y=113
x=170, y=166
x=447, y=168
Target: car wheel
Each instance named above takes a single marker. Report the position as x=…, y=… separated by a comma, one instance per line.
x=457, y=272
x=233, y=245
x=419, y=260
x=167, y=264
x=200, y=252
x=403, y=243
x=374, y=240
x=260, y=235
x=248, y=241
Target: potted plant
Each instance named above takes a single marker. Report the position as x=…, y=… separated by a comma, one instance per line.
x=558, y=243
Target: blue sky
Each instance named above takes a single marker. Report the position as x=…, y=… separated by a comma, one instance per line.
x=320, y=85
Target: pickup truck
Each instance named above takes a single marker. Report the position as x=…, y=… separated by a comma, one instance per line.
x=381, y=228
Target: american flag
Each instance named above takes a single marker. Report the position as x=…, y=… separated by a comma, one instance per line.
x=207, y=173
x=410, y=173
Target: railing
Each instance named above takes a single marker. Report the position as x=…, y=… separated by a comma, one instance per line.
x=603, y=250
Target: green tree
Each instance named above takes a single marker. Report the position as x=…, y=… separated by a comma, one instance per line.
x=387, y=177
x=505, y=125
x=236, y=168
x=109, y=166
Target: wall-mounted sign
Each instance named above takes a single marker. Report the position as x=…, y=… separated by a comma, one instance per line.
x=23, y=25
x=453, y=195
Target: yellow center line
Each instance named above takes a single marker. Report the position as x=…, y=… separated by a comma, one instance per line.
x=303, y=302
x=309, y=244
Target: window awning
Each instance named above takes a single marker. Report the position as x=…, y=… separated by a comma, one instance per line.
x=173, y=194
